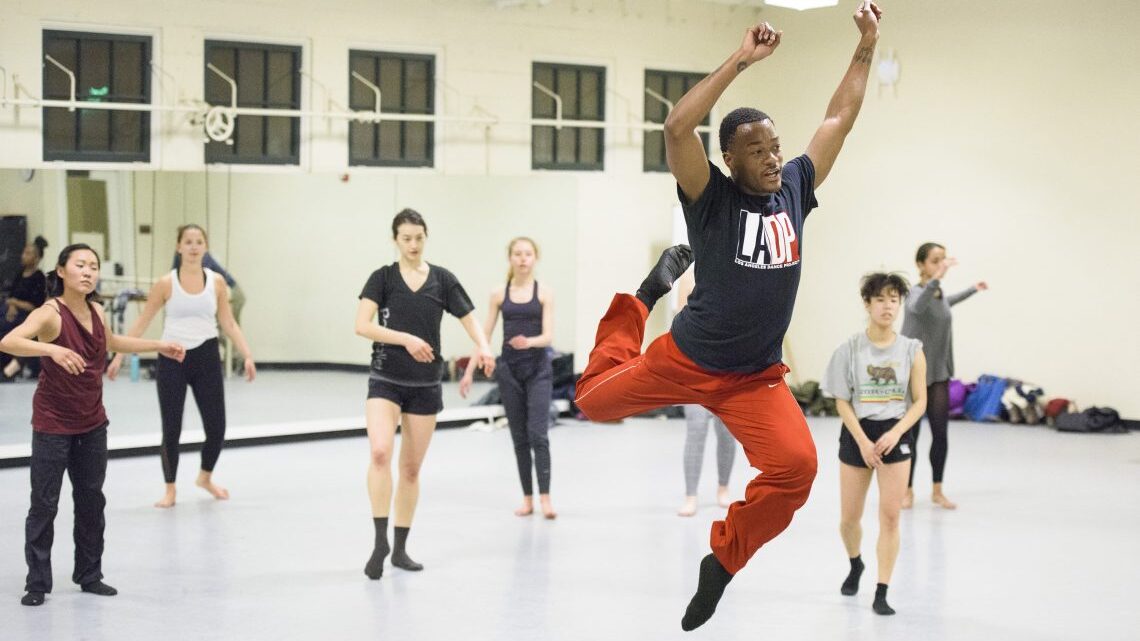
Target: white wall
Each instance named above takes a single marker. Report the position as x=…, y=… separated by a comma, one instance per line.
x=1011, y=140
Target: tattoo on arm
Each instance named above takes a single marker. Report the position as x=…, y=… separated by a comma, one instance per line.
x=863, y=55
x=741, y=66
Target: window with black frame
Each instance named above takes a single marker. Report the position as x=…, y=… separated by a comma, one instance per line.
x=582, y=91
x=407, y=86
x=667, y=85
x=268, y=77
x=107, y=68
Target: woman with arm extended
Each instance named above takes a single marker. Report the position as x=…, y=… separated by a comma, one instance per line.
x=70, y=335
x=928, y=319
x=408, y=298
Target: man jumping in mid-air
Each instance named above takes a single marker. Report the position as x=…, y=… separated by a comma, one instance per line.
x=723, y=351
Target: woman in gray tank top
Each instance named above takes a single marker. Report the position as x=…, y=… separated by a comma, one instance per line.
x=524, y=370
x=928, y=320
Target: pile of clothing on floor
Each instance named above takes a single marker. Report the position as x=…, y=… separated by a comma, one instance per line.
x=994, y=398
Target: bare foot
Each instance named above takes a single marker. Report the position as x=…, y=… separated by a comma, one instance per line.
x=548, y=512
x=941, y=500
x=722, y=498
x=689, y=508
x=216, y=491
x=908, y=499
x=527, y=507
x=167, y=500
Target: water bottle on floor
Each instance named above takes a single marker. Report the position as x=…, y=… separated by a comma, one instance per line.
x=134, y=368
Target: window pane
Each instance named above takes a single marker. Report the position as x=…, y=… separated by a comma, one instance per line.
x=391, y=81
x=125, y=131
x=129, y=70
x=674, y=88
x=416, y=141
x=248, y=135
x=542, y=105
x=360, y=140
x=94, y=72
x=591, y=98
x=590, y=142
x=59, y=130
x=416, y=100
x=56, y=83
x=218, y=90
x=250, y=78
x=279, y=138
x=359, y=95
x=94, y=130
x=654, y=149
x=567, y=88
x=390, y=140
x=281, y=80
x=566, y=149
x=543, y=145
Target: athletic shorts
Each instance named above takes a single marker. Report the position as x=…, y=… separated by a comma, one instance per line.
x=412, y=400
x=849, y=449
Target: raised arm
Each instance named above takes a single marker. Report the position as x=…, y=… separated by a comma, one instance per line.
x=686, y=155
x=954, y=299
x=848, y=99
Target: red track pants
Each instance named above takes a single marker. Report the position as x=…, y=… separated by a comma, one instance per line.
x=758, y=409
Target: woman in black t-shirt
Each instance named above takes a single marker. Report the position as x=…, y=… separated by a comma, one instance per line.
x=29, y=290
x=404, y=388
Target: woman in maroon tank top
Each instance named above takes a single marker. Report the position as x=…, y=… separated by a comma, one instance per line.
x=69, y=425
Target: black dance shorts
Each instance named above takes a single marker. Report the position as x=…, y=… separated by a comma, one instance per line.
x=426, y=401
x=849, y=449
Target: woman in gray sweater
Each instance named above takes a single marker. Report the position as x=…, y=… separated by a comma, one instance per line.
x=928, y=320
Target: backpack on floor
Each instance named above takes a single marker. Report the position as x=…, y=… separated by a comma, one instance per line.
x=1095, y=419
x=959, y=392
x=985, y=403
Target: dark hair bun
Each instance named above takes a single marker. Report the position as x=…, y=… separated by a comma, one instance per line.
x=40, y=242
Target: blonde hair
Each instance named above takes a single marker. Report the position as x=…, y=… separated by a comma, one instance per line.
x=511, y=248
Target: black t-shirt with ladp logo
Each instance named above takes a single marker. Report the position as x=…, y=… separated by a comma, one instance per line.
x=747, y=249
x=418, y=313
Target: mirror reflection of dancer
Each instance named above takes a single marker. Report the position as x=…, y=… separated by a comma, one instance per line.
x=724, y=349
x=524, y=372
x=29, y=291
x=409, y=298
x=70, y=335
x=878, y=380
x=197, y=303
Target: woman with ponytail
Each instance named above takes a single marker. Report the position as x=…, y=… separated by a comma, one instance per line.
x=29, y=290
x=197, y=303
x=70, y=335
x=524, y=370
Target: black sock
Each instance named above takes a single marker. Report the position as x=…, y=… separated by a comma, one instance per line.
x=673, y=262
x=851, y=583
x=100, y=588
x=880, y=605
x=33, y=598
x=710, y=587
x=400, y=556
x=374, y=569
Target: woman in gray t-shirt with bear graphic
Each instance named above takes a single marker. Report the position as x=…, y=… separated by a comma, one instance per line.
x=878, y=380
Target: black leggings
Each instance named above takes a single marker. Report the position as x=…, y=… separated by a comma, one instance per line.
x=938, y=414
x=202, y=372
x=526, y=389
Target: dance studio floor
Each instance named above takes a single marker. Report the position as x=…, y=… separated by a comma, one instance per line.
x=1043, y=547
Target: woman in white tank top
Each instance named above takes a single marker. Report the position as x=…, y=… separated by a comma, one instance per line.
x=197, y=304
